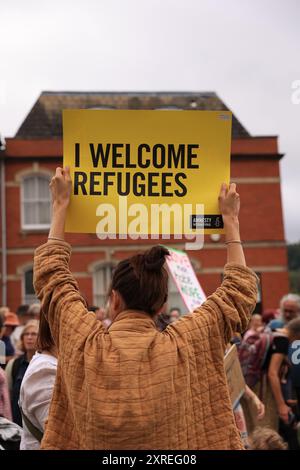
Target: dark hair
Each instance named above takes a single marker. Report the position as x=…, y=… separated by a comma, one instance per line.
x=162, y=321
x=22, y=310
x=92, y=308
x=44, y=340
x=142, y=280
x=266, y=439
x=293, y=327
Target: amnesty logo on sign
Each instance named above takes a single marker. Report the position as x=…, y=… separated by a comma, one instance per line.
x=142, y=173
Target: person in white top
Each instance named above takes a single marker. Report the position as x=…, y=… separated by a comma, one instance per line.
x=36, y=389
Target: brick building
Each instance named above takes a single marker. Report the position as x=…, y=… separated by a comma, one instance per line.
x=30, y=159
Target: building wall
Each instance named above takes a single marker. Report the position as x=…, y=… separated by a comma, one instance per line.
x=258, y=180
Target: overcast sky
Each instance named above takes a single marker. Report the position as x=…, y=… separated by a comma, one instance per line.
x=247, y=51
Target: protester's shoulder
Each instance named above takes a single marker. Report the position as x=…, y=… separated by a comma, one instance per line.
x=41, y=365
x=53, y=248
x=186, y=324
x=10, y=364
x=41, y=359
x=276, y=323
x=240, y=271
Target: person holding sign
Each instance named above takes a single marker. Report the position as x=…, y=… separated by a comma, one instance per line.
x=131, y=386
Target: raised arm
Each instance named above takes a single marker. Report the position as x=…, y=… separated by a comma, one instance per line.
x=54, y=283
x=61, y=186
x=229, y=308
x=229, y=203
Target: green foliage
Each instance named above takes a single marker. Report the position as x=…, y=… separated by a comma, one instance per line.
x=293, y=251
x=294, y=256
x=295, y=281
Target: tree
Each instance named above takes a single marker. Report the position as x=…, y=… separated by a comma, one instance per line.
x=293, y=250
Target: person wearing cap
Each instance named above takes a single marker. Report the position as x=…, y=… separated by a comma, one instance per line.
x=11, y=321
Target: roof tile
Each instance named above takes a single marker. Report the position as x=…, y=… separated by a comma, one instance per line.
x=45, y=118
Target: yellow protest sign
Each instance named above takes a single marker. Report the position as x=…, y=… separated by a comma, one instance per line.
x=146, y=172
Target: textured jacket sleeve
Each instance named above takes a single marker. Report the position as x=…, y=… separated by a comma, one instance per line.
x=61, y=302
x=226, y=311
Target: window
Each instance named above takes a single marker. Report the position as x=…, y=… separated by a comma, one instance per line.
x=36, y=202
x=28, y=290
x=168, y=108
x=103, y=106
x=258, y=306
x=101, y=280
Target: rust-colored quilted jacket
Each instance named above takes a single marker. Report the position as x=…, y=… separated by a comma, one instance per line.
x=133, y=387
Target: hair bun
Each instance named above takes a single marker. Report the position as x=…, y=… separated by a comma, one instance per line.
x=154, y=258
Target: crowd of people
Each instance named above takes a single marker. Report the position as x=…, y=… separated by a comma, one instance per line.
x=128, y=375
x=28, y=371
x=271, y=400
x=269, y=353
x=270, y=403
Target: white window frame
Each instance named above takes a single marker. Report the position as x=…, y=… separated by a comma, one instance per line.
x=33, y=226
x=174, y=297
x=108, y=267
x=108, y=107
x=27, y=299
x=168, y=108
